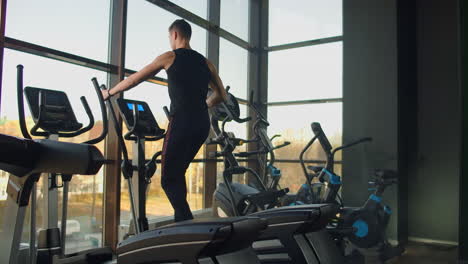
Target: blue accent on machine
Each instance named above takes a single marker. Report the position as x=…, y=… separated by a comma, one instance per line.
x=376, y=198
x=362, y=228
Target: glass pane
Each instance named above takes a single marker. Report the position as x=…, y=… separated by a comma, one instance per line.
x=314, y=72
x=78, y=27
x=240, y=178
x=293, y=124
x=85, y=210
x=85, y=196
x=239, y=130
x=147, y=35
x=235, y=17
x=304, y=20
x=198, y=7
x=84, y=219
x=157, y=204
x=233, y=62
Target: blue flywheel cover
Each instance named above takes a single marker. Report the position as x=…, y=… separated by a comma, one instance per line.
x=362, y=228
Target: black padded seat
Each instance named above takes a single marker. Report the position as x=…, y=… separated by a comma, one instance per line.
x=188, y=241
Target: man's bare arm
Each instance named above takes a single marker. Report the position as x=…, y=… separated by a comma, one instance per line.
x=163, y=61
x=219, y=93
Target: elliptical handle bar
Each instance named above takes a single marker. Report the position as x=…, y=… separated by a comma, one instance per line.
x=117, y=127
x=102, y=105
x=286, y=143
x=359, y=141
x=19, y=91
x=261, y=118
x=322, y=138
x=130, y=134
x=167, y=112
x=242, y=120
x=90, y=125
x=233, y=117
x=301, y=159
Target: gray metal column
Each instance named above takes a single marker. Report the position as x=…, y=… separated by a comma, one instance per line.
x=258, y=63
x=117, y=34
x=209, y=174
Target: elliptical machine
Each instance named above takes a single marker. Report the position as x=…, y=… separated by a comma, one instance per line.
x=234, y=198
x=364, y=227
x=271, y=175
x=54, y=118
x=293, y=234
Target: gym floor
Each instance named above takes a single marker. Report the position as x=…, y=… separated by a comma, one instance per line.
x=417, y=253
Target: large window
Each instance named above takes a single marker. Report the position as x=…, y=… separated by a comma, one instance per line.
x=78, y=27
x=300, y=20
x=313, y=72
x=235, y=17
x=293, y=123
x=233, y=61
x=157, y=204
x=85, y=194
x=297, y=76
x=148, y=37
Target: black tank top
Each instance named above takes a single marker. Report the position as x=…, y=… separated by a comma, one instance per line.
x=188, y=79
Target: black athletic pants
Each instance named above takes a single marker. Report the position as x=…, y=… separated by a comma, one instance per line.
x=186, y=133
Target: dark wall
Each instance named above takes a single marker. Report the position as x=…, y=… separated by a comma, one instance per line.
x=370, y=96
x=433, y=187
x=401, y=87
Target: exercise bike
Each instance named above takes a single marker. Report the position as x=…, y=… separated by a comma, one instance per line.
x=363, y=227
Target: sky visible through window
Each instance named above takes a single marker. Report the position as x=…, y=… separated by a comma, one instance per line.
x=82, y=28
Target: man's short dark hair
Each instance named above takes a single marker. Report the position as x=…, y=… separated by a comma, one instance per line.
x=182, y=27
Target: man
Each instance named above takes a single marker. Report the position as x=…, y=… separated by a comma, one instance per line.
x=189, y=75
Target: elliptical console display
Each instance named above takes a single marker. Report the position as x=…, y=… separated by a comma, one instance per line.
x=144, y=124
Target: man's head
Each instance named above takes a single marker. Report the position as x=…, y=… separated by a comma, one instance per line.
x=179, y=31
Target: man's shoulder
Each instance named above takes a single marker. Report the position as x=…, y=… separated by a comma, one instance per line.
x=167, y=55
